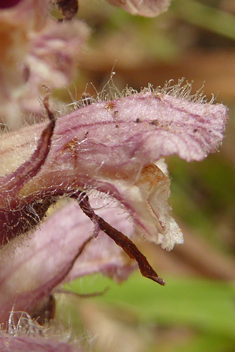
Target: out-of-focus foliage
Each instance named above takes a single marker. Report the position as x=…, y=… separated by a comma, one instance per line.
x=187, y=315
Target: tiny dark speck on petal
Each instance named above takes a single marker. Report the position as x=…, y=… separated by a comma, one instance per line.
x=137, y=120
x=154, y=122
x=109, y=106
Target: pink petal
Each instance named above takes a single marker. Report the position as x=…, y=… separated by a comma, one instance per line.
x=26, y=335
x=148, y=8
x=48, y=257
x=54, y=51
x=22, y=333
x=35, y=344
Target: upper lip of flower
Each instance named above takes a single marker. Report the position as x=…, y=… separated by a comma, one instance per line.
x=89, y=151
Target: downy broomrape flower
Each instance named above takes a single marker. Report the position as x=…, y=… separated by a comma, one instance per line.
x=113, y=147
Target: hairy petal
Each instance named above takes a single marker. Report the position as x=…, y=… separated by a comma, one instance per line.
x=27, y=343
x=50, y=257
x=148, y=8
x=113, y=147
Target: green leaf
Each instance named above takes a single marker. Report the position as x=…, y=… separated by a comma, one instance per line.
x=207, y=306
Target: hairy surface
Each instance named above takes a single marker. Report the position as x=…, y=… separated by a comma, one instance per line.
x=25, y=334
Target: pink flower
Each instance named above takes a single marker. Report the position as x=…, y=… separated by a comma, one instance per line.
x=111, y=148
x=115, y=148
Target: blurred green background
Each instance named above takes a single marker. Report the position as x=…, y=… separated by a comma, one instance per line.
x=195, y=311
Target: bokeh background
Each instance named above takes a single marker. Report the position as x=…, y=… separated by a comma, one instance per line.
x=195, y=311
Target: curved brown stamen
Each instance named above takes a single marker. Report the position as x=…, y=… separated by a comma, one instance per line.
x=121, y=240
